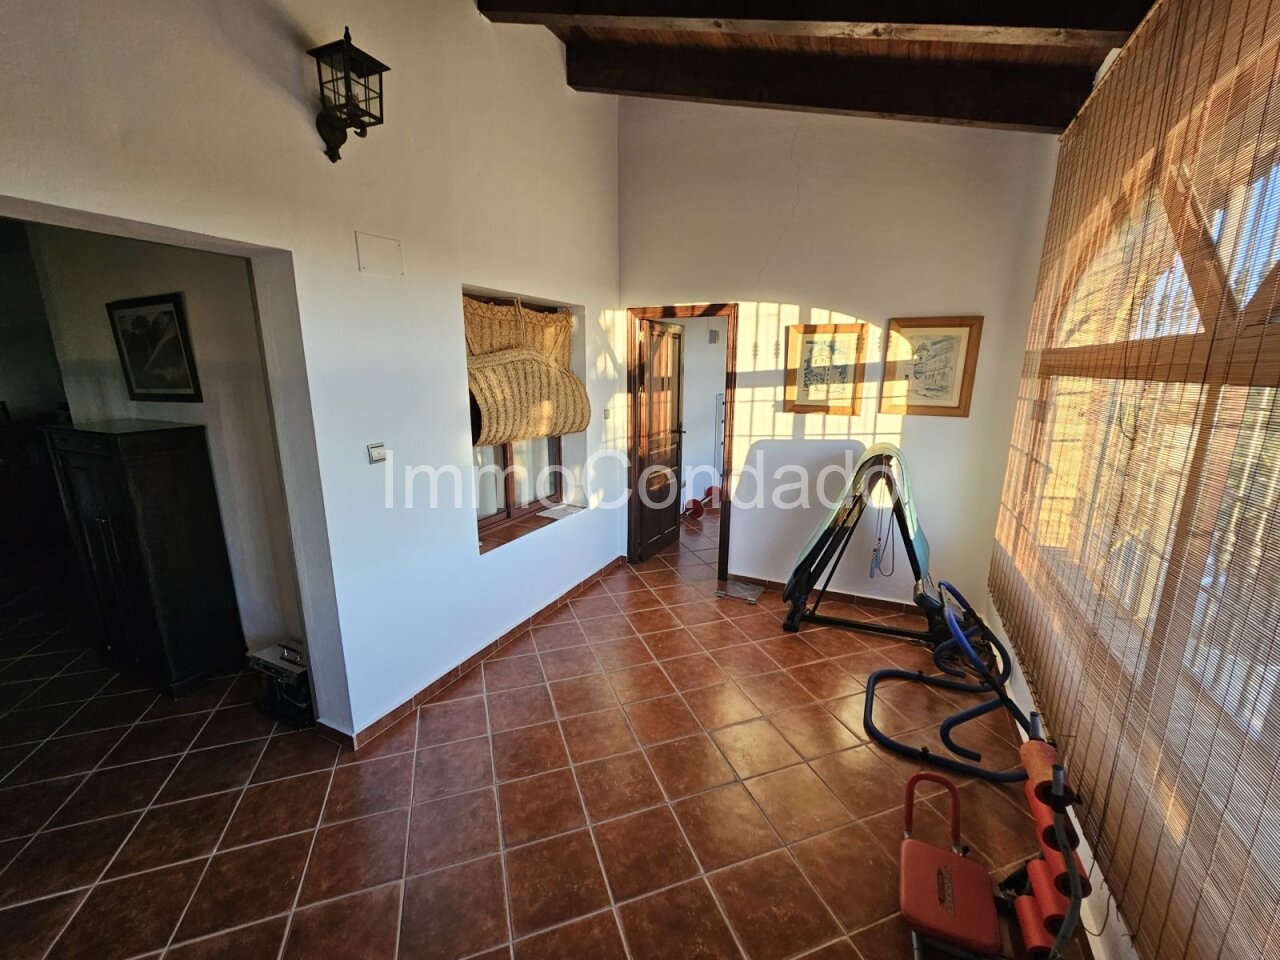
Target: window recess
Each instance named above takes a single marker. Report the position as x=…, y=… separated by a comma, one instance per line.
x=524, y=397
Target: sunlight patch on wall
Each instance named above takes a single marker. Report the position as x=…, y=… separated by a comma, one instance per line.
x=761, y=356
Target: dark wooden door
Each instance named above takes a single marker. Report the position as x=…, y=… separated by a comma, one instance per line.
x=658, y=391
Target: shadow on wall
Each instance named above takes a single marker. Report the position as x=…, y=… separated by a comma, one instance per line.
x=604, y=477
x=241, y=448
x=784, y=461
x=788, y=467
x=263, y=34
x=784, y=490
x=761, y=362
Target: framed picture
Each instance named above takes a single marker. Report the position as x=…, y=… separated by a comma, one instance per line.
x=929, y=365
x=155, y=348
x=825, y=368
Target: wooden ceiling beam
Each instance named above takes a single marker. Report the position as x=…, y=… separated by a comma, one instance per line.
x=1065, y=23
x=1008, y=96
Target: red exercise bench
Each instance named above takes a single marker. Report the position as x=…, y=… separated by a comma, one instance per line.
x=946, y=898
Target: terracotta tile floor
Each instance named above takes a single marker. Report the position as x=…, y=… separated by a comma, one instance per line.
x=648, y=773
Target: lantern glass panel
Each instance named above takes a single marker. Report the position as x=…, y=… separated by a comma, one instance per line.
x=350, y=83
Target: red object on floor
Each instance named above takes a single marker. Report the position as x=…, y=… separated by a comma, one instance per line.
x=1058, y=867
x=1039, y=757
x=693, y=508
x=1042, y=813
x=1053, y=905
x=1035, y=935
x=943, y=895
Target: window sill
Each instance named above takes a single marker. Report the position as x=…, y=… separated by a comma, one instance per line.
x=499, y=534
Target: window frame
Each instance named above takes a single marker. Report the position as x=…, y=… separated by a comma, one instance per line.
x=1191, y=358
x=512, y=513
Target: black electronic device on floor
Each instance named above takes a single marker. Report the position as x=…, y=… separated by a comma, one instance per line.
x=286, y=690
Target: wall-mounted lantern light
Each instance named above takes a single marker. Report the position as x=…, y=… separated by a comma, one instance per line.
x=350, y=92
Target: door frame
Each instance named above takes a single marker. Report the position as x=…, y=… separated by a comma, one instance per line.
x=688, y=312
x=274, y=292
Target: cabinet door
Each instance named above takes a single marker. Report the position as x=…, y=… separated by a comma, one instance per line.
x=101, y=513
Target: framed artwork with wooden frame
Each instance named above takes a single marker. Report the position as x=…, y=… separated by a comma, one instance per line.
x=155, y=348
x=929, y=366
x=825, y=368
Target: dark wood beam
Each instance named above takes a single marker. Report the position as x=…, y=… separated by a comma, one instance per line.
x=1088, y=23
x=1013, y=96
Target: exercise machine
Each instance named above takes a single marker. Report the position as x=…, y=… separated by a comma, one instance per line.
x=881, y=468
x=963, y=670
x=947, y=900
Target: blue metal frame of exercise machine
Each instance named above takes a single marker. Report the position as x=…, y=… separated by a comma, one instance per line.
x=966, y=672
x=881, y=465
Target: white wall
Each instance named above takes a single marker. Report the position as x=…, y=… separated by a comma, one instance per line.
x=30, y=382
x=492, y=173
x=814, y=219
x=704, y=368
x=81, y=272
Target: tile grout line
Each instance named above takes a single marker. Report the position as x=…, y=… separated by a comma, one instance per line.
x=236, y=806
x=145, y=870
x=497, y=804
x=638, y=748
x=40, y=742
x=112, y=859
x=624, y=902
x=702, y=873
x=44, y=827
x=306, y=864
x=408, y=826
x=170, y=803
x=465, y=739
x=595, y=842
x=45, y=681
x=669, y=804
x=99, y=768
x=593, y=647
x=278, y=915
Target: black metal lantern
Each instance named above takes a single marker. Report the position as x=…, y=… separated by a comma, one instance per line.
x=350, y=92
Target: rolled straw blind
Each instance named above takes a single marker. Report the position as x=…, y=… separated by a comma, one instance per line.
x=1136, y=565
x=518, y=373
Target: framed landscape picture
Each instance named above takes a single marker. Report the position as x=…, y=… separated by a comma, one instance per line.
x=155, y=348
x=929, y=366
x=825, y=368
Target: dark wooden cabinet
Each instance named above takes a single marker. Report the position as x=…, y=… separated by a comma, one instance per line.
x=140, y=501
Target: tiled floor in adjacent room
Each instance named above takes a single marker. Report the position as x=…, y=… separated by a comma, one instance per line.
x=648, y=773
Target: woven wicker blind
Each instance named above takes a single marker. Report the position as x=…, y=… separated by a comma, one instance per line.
x=1136, y=564
x=518, y=373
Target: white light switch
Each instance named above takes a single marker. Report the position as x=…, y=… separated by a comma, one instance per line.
x=377, y=453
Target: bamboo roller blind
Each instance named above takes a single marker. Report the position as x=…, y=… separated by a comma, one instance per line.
x=1136, y=564
x=518, y=373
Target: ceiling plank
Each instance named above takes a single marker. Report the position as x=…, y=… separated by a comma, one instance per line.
x=1073, y=23
x=1008, y=96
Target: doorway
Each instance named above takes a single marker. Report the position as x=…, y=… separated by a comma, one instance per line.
x=680, y=430
x=290, y=429
x=112, y=348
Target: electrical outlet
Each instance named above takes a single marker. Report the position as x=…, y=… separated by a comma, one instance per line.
x=377, y=452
